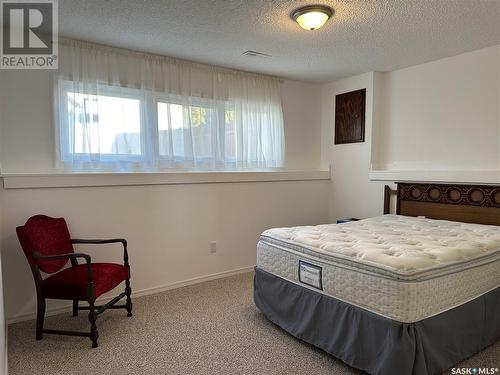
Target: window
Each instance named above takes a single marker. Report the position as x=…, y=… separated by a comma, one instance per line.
x=104, y=126
x=111, y=127
x=124, y=110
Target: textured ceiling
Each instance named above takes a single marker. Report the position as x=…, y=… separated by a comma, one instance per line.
x=362, y=36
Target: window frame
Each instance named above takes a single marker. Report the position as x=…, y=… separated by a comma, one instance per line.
x=219, y=106
x=66, y=155
x=149, y=159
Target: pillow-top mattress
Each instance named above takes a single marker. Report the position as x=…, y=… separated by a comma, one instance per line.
x=403, y=268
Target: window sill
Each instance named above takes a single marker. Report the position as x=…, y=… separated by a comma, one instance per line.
x=64, y=180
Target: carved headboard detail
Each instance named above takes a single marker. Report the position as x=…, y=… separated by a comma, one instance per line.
x=467, y=203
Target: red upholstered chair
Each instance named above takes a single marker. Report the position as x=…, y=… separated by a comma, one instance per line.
x=47, y=244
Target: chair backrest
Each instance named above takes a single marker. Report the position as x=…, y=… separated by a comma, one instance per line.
x=46, y=236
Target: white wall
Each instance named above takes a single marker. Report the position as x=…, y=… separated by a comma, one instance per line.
x=302, y=117
x=169, y=227
x=442, y=115
x=3, y=332
x=26, y=144
x=351, y=192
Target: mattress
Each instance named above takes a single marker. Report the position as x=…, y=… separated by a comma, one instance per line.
x=403, y=268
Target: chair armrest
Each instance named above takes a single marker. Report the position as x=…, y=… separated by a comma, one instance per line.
x=100, y=242
x=62, y=256
x=87, y=258
x=97, y=242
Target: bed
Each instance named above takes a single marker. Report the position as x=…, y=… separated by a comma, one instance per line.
x=411, y=293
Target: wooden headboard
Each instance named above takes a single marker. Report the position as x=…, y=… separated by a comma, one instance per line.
x=478, y=204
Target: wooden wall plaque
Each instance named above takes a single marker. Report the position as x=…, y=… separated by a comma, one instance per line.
x=350, y=117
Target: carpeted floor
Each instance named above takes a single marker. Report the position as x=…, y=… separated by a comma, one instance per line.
x=209, y=328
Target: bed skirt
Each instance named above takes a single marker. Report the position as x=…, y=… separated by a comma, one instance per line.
x=371, y=342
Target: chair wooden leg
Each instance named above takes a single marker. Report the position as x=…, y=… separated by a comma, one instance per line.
x=94, y=334
x=128, y=304
x=40, y=315
x=75, y=307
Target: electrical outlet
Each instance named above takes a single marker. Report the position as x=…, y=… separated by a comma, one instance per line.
x=213, y=247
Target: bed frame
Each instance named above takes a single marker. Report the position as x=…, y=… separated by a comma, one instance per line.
x=375, y=343
x=477, y=204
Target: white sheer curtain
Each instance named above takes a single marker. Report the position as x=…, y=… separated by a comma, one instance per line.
x=122, y=110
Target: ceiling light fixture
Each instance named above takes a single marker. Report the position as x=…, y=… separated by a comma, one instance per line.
x=312, y=17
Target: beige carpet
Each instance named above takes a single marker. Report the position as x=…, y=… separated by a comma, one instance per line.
x=209, y=328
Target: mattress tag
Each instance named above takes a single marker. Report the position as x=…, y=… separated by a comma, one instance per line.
x=311, y=274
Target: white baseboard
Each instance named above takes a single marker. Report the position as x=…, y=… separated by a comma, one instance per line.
x=138, y=293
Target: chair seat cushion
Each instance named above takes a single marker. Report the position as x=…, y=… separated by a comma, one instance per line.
x=71, y=283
